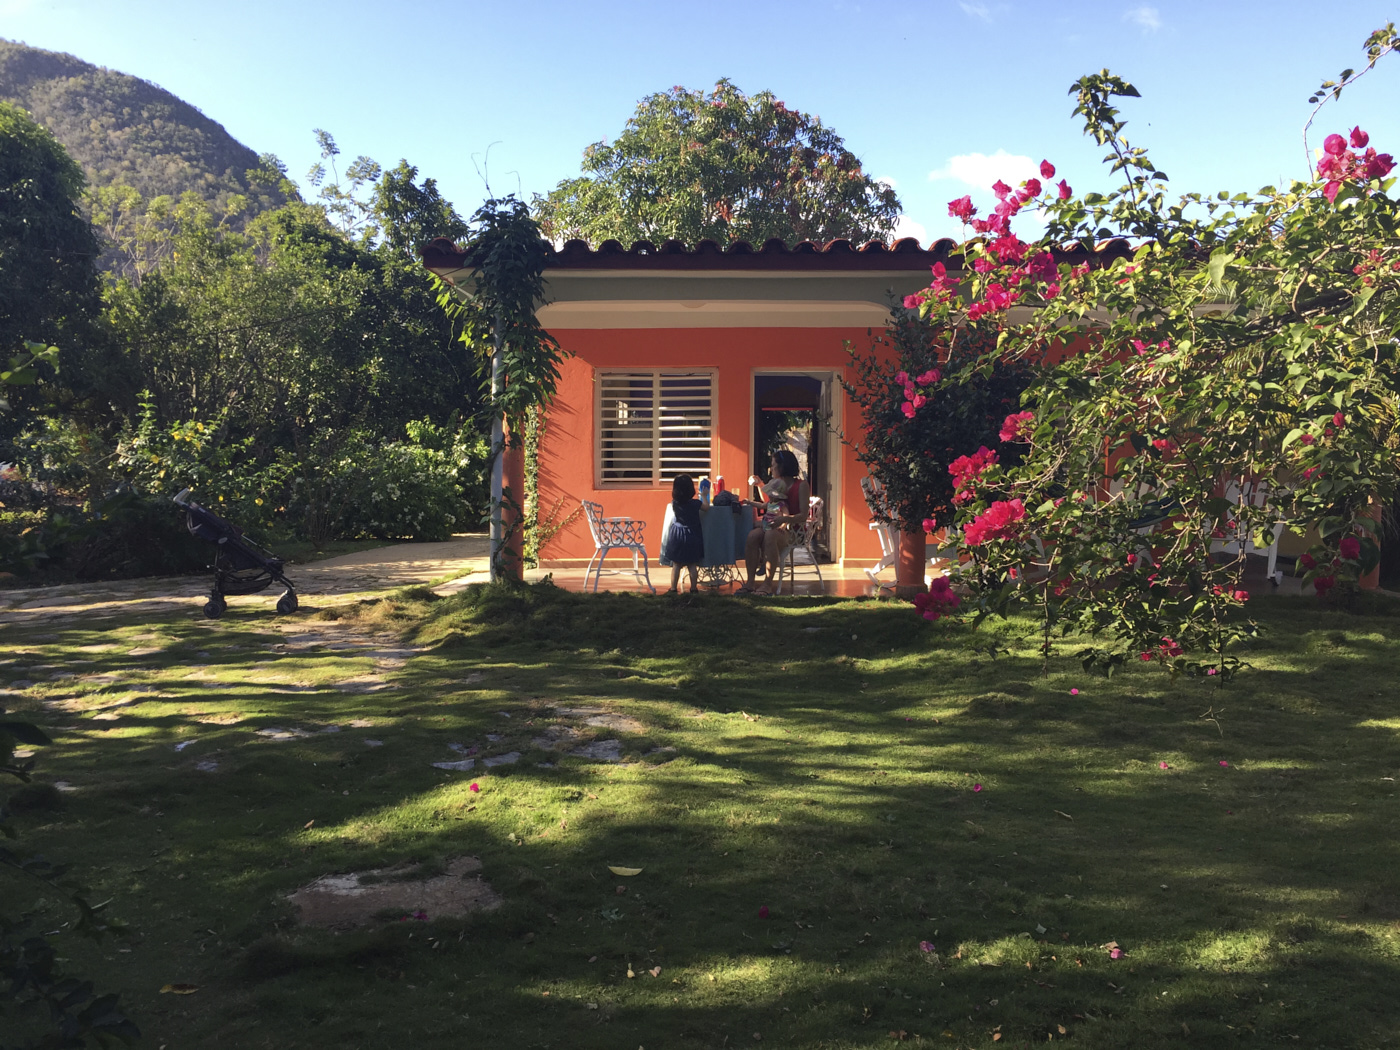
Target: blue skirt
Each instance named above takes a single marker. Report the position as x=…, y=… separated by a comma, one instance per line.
x=683, y=545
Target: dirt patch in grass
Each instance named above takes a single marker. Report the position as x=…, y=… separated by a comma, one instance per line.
x=359, y=898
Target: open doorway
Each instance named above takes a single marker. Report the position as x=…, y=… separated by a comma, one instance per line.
x=792, y=411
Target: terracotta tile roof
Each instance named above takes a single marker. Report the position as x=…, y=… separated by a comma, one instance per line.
x=904, y=254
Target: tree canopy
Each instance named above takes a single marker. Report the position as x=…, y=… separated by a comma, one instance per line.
x=721, y=165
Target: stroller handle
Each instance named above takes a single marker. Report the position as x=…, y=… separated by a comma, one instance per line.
x=182, y=497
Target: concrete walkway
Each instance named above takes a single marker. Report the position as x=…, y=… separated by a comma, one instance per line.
x=346, y=577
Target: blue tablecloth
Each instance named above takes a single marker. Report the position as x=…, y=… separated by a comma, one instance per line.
x=726, y=530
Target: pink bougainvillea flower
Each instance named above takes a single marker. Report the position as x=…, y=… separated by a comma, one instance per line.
x=1307, y=561
x=925, y=946
x=1241, y=596
x=1212, y=671
x=930, y=525
x=1144, y=657
x=1065, y=191
x=1223, y=762
x=1334, y=145
x=908, y=409
x=1074, y=692
x=1164, y=765
x=1379, y=166
x=1359, y=138
x=999, y=521
x=976, y=787
x=1001, y=189
x=1033, y=187
x=1350, y=548
x=920, y=400
x=1307, y=439
x=474, y=787
x=930, y=377
x=763, y=912
x=962, y=208
x=1115, y=953
x=913, y=302
x=1017, y=426
x=1047, y=170
x=1331, y=190
x=902, y=378
x=1339, y=420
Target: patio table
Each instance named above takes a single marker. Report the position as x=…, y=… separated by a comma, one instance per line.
x=726, y=530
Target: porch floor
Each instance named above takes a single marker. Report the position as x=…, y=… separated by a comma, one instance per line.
x=836, y=582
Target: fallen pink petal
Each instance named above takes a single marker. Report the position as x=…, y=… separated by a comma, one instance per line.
x=1164, y=765
x=976, y=787
x=475, y=787
x=1074, y=692
x=926, y=946
x=1223, y=762
x=763, y=912
x=1116, y=953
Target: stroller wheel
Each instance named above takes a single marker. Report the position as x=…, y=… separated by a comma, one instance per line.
x=215, y=606
x=287, y=604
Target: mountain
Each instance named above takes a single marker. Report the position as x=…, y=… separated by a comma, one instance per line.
x=122, y=129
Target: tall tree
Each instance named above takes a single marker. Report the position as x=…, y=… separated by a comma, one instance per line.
x=48, y=276
x=723, y=165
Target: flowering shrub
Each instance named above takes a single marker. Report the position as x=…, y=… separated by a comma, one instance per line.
x=1242, y=343
x=918, y=422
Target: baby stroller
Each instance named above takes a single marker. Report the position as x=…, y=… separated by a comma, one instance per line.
x=240, y=565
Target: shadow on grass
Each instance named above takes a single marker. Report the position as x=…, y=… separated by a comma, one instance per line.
x=827, y=775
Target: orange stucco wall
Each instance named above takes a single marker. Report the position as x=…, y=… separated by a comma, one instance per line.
x=567, y=453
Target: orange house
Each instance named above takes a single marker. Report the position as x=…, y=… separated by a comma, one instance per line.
x=701, y=361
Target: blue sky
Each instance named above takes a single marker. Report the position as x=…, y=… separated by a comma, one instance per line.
x=925, y=92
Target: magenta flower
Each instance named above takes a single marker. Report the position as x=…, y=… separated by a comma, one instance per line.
x=1164, y=765
x=925, y=946
x=1350, y=548
x=902, y=378
x=930, y=525
x=1065, y=191
x=1359, y=138
x=1000, y=521
x=1001, y=189
x=976, y=787
x=1032, y=187
x=1331, y=190
x=1047, y=170
x=1379, y=166
x=1334, y=145
x=913, y=302
x=962, y=208
x=1074, y=692
x=1223, y=762
x=1116, y=953
x=930, y=377
x=1212, y=671
x=1017, y=426
x=763, y=912
x=908, y=409
x=474, y=788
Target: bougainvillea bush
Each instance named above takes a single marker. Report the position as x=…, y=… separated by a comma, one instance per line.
x=1236, y=368
x=915, y=426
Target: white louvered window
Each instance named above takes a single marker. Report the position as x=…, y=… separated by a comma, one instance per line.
x=654, y=425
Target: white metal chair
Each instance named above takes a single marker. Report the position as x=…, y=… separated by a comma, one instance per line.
x=610, y=534
x=1250, y=494
x=802, y=553
x=885, y=532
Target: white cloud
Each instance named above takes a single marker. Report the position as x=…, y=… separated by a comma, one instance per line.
x=907, y=227
x=981, y=11
x=980, y=170
x=1149, y=18
x=888, y=180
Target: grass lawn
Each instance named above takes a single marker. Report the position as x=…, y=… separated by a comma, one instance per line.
x=800, y=790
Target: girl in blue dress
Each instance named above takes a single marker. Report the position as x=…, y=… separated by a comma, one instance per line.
x=684, y=545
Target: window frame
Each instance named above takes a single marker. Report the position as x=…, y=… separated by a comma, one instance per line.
x=656, y=375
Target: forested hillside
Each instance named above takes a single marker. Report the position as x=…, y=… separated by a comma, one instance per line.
x=126, y=131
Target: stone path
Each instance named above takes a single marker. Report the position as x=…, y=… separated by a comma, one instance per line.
x=345, y=577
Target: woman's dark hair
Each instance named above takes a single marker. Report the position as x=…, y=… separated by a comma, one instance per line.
x=787, y=463
x=682, y=489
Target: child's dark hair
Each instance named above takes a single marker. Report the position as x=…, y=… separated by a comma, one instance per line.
x=682, y=489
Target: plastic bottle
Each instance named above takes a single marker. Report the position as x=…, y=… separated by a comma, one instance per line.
x=719, y=484
x=705, y=491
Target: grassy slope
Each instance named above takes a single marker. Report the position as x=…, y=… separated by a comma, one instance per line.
x=826, y=774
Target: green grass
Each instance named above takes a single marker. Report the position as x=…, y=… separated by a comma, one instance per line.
x=824, y=763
